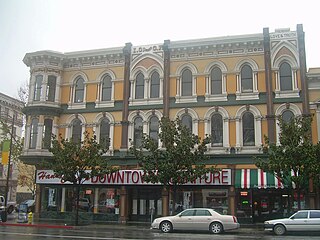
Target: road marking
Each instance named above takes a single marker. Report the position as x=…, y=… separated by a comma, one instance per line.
x=61, y=236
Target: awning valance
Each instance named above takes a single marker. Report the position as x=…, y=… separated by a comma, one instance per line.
x=257, y=178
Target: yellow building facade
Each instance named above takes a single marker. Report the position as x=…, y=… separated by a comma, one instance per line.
x=231, y=88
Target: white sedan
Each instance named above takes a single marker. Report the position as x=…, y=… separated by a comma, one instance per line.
x=197, y=219
x=304, y=220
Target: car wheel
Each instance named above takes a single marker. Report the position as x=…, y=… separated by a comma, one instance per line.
x=166, y=226
x=216, y=228
x=10, y=210
x=279, y=229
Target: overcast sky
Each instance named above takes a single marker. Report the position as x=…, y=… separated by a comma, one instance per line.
x=75, y=25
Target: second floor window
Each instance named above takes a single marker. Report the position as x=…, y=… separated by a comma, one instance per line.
x=37, y=88
x=154, y=128
x=246, y=79
x=106, y=88
x=155, y=85
x=216, y=130
x=285, y=77
x=138, y=131
x=76, y=131
x=186, y=88
x=139, y=86
x=186, y=121
x=51, y=88
x=79, y=90
x=33, y=133
x=47, y=132
x=105, y=133
x=248, y=129
x=216, y=81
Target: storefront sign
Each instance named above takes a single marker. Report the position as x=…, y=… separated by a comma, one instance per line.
x=130, y=177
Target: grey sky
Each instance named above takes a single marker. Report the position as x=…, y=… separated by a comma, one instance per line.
x=75, y=25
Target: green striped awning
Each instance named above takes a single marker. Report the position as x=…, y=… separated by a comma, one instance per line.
x=257, y=178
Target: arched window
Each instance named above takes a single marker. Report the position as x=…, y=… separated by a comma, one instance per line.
x=140, y=86
x=106, y=88
x=138, y=131
x=246, y=79
x=248, y=129
x=154, y=128
x=33, y=133
x=47, y=132
x=37, y=88
x=105, y=133
x=287, y=116
x=285, y=77
x=186, y=83
x=51, y=88
x=186, y=120
x=216, y=81
x=79, y=90
x=155, y=85
x=216, y=130
x=76, y=131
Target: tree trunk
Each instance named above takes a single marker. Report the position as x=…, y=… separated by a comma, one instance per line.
x=77, y=205
x=298, y=198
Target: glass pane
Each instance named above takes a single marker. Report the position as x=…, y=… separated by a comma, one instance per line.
x=155, y=85
x=37, y=88
x=246, y=79
x=106, y=88
x=51, y=88
x=154, y=128
x=47, y=132
x=140, y=86
x=76, y=131
x=216, y=81
x=105, y=132
x=187, y=121
x=79, y=91
x=216, y=130
x=287, y=115
x=285, y=77
x=248, y=129
x=33, y=133
x=186, y=83
x=138, y=131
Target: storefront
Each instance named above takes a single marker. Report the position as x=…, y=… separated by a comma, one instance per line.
x=261, y=195
x=124, y=194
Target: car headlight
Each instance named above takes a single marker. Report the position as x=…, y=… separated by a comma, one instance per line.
x=266, y=222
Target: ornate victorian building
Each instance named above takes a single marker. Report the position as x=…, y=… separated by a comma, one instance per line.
x=232, y=88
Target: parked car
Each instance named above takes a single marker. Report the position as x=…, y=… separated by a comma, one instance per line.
x=84, y=204
x=10, y=205
x=30, y=205
x=303, y=220
x=205, y=219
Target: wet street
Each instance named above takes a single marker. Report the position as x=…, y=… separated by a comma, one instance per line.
x=132, y=232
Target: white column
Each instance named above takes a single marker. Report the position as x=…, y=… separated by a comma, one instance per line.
x=99, y=87
x=224, y=83
x=208, y=85
x=238, y=132
x=194, y=86
x=31, y=90
x=44, y=88
x=178, y=87
x=258, y=141
x=226, y=142
x=111, y=136
x=146, y=92
x=255, y=85
x=133, y=90
x=63, y=199
x=294, y=79
x=112, y=90
x=57, y=93
x=145, y=127
x=238, y=83
x=161, y=88
x=27, y=140
x=40, y=136
x=277, y=81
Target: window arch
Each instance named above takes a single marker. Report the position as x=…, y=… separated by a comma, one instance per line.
x=155, y=85
x=104, y=138
x=216, y=130
x=154, y=128
x=186, y=120
x=139, y=86
x=106, y=88
x=138, y=131
x=37, y=88
x=79, y=90
x=186, y=83
x=33, y=133
x=246, y=79
x=248, y=132
x=216, y=80
x=285, y=73
x=76, y=131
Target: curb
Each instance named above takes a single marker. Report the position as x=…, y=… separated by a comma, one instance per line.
x=36, y=225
